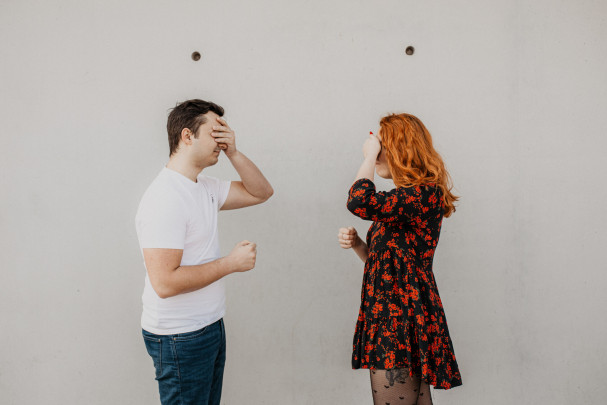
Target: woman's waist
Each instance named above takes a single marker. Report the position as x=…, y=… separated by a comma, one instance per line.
x=410, y=252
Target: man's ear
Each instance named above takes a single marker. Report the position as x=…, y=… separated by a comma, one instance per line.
x=187, y=136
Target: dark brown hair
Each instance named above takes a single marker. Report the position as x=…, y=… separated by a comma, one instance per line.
x=189, y=114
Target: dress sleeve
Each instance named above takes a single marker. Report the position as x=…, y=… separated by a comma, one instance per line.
x=397, y=205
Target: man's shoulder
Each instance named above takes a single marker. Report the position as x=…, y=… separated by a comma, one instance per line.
x=205, y=179
x=213, y=183
x=162, y=192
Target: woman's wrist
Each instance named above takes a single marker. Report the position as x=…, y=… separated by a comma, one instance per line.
x=366, y=170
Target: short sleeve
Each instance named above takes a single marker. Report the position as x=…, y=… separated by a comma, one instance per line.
x=396, y=205
x=224, y=190
x=161, y=223
x=218, y=187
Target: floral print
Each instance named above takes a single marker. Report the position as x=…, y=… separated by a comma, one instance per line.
x=401, y=322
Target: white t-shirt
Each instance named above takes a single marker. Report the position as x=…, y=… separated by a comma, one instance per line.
x=177, y=213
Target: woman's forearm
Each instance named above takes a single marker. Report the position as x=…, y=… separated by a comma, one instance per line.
x=367, y=169
x=361, y=249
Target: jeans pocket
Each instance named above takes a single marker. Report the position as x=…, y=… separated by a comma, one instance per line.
x=184, y=337
x=154, y=348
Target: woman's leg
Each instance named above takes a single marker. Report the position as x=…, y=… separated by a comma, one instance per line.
x=392, y=387
x=424, y=397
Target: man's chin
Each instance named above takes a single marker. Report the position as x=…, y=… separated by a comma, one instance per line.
x=211, y=160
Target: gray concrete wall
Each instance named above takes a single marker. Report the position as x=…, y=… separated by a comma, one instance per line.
x=514, y=94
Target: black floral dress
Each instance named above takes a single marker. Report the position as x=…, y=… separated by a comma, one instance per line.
x=401, y=323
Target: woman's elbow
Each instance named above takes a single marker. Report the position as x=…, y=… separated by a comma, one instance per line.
x=357, y=208
x=352, y=206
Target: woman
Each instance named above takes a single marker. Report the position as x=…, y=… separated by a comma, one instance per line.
x=401, y=334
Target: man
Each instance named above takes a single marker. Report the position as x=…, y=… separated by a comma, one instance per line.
x=183, y=298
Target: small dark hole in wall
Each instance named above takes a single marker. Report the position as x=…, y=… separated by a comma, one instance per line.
x=196, y=56
x=410, y=50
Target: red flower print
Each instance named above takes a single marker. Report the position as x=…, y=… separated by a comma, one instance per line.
x=401, y=322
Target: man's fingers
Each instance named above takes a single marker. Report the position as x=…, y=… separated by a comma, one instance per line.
x=222, y=121
x=221, y=137
x=221, y=141
x=222, y=128
x=217, y=131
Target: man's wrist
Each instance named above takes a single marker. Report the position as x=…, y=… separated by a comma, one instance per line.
x=232, y=155
x=227, y=265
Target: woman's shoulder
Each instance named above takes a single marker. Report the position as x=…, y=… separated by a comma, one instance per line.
x=427, y=195
x=417, y=189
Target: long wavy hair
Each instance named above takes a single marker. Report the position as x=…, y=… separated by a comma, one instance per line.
x=411, y=157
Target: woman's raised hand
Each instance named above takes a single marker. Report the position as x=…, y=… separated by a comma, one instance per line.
x=371, y=147
x=348, y=238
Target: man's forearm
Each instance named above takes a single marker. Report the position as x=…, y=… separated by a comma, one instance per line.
x=252, y=178
x=186, y=279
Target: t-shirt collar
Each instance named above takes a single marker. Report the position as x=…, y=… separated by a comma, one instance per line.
x=181, y=178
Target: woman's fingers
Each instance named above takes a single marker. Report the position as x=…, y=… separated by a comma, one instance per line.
x=347, y=237
x=348, y=231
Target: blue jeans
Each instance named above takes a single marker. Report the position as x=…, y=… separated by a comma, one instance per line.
x=189, y=366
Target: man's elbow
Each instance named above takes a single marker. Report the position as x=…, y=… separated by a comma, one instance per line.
x=265, y=196
x=269, y=194
x=164, y=294
x=164, y=290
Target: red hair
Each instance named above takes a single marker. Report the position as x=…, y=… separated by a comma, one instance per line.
x=412, y=159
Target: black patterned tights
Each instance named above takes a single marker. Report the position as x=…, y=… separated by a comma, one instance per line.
x=395, y=387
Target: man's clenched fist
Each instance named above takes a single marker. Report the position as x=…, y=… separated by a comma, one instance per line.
x=243, y=256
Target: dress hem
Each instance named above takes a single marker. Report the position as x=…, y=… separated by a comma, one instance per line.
x=436, y=386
